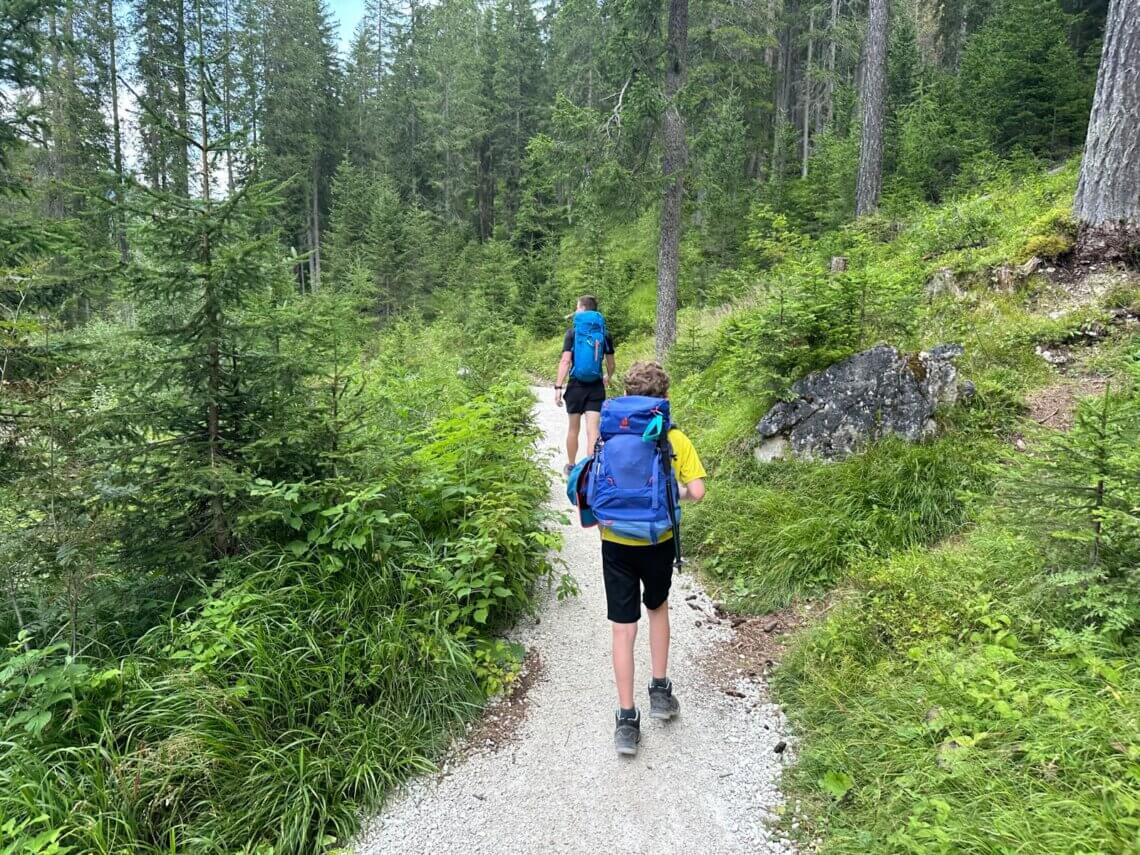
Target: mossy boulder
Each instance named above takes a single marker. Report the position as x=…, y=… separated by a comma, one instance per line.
x=868, y=396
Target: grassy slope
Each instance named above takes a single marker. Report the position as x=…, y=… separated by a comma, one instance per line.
x=940, y=706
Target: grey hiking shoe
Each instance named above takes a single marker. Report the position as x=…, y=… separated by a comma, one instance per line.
x=662, y=704
x=627, y=733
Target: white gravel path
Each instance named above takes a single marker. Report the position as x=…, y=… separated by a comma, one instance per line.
x=706, y=782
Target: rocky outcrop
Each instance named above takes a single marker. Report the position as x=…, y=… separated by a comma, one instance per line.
x=867, y=396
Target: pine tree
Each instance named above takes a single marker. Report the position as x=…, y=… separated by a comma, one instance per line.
x=161, y=79
x=204, y=260
x=300, y=124
x=1020, y=80
x=518, y=94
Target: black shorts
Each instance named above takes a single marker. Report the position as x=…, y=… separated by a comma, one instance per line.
x=626, y=568
x=582, y=397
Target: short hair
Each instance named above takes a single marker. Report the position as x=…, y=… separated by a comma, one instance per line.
x=647, y=378
x=588, y=302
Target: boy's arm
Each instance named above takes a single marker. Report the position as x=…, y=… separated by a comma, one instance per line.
x=694, y=491
x=609, y=369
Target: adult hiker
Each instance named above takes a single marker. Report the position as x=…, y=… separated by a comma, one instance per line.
x=588, y=362
x=632, y=488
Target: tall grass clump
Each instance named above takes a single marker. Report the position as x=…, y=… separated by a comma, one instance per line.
x=773, y=533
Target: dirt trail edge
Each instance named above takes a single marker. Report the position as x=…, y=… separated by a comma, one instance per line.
x=705, y=782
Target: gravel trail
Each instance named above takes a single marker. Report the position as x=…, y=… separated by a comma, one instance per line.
x=704, y=782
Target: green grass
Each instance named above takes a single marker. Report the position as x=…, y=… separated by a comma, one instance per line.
x=958, y=716
x=788, y=530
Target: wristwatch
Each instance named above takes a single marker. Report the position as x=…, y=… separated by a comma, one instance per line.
x=557, y=388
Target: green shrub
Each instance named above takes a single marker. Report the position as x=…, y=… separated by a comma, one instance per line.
x=316, y=672
x=1081, y=492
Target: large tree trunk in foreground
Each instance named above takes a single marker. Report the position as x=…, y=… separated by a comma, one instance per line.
x=874, y=108
x=673, y=170
x=1107, y=204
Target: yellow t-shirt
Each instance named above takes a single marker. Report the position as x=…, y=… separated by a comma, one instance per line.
x=686, y=466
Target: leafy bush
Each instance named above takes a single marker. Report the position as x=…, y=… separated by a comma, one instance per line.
x=317, y=671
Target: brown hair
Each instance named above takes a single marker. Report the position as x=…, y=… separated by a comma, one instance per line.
x=588, y=302
x=646, y=378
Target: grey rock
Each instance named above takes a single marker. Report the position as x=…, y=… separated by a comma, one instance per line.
x=944, y=282
x=773, y=448
x=863, y=398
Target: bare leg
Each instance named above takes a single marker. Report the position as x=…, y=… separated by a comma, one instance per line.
x=593, y=425
x=572, y=432
x=659, y=639
x=624, y=636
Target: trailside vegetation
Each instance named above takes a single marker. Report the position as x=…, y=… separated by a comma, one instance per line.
x=267, y=482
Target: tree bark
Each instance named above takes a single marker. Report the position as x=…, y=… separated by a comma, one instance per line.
x=181, y=164
x=315, y=235
x=807, y=97
x=116, y=129
x=673, y=162
x=874, y=107
x=1108, y=192
x=829, y=96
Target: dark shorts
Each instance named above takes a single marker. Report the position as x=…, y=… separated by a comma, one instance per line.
x=583, y=397
x=626, y=569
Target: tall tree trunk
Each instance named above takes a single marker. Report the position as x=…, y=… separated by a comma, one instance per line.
x=874, y=107
x=379, y=45
x=227, y=89
x=181, y=165
x=807, y=96
x=486, y=191
x=829, y=96
x=70, y=129
x=219, y=526
x=116, y=130
x=315, y=226
x=673, y=170
x=1107, y=204
x=784, y=74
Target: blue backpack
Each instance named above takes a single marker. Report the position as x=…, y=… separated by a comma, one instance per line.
x=589, y=346
x=632, y=489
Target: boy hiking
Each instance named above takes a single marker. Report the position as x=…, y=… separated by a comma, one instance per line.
x=586, y=345
x=642, y=469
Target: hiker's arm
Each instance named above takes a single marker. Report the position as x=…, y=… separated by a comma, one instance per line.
x=563, y=370
x=609, y=368
x=694, y=491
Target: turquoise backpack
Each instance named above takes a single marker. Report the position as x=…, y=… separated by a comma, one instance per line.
x=589, y=346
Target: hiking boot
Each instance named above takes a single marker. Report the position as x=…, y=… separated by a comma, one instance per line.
x=662, y=704
x=627, y=733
